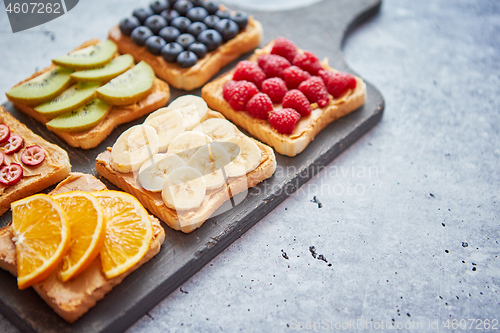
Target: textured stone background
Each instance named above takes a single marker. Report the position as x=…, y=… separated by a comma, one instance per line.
x=410, y=213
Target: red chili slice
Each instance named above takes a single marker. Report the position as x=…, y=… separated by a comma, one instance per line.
x=33, y=155
x=14, y=144
x=11, y=174
x=4, y=133
x=2, y=158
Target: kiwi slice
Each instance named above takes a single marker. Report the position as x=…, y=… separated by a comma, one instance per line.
x=89, y=57
x=129, y=87
x=72, y=98
x=116, y=67
x=42, y=88
x=80, y=119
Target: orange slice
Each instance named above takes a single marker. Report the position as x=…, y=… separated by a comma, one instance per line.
x=41, y=234
x=87, y=229
x=128, y=232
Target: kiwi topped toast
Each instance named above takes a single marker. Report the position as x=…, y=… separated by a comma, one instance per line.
x=84, y=95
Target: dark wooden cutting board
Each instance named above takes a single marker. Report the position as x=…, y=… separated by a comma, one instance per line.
x=320, y=28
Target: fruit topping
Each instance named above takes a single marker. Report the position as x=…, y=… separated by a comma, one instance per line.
x=181, y=23
x=154, y=44
x=239, y=94
x=14, y=144
x=273, y=65
x=169, y=34
x=248, y=158
x=294, y=76
x=308, y=62
x=167, y=125
x=185, y=40
x=140, y=35
x=154, y=172
x=295, y=99
x=211, y=21
x=196, y=28
x=337, y=83
x=33, y=155
x=275, y=88
x=116, y=67
x=186, y=144
x=2, y=158
x=285, y=48
x=183, y=6
x=315, y=91
x=199, y=49
x=284, y=120
x=89, y=57
x=169, y=15
x=11, y=174
x=80, y=119
x=142, y=14
x=4, y=134
x=211, y=6
x=259, y=106
x=211, y=38
x=157, y=6
x=240, y=18
x=155, y=23
x=128, y=24
x=170, y=52
x=186, y=59
x=227, y=28
x=197, y=14
x=219, y=130
x=184, y=189
x=249, y=71
x=222, y=13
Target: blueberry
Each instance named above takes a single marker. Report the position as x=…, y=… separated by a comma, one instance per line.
x=142, y=14
x=186, y=59
x=128, y=24
x=197, y=14
x=240, y=18
x=227, y=28
x=222, y=14
x=211, y=6
x=169, y=15
x=211, y=21
x=182, y=6
x=211, y=38
x=154, y=44
x=159, y=5
x=197, y=3
x=196, y=28
x=172, y=2
x=170, y=52
x=185, y=40
x=181, y=23
x=140, y=34
x=169, y=34
x=199, y=49
x=155, y=23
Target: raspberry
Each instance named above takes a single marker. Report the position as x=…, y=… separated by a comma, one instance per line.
x=249, y=71
x=259, y=106
x=315, y=91
x=273, y=65
x=337, y=83
x=275, y=88
x=308, y=62
x=295, y=99
x=294, y=76
x=285, y=48
x=284, y=120
x=238, y=93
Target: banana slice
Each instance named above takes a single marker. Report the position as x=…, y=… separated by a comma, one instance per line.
x=184, y=189
x=133, y=147
x=154, y=172
x=187, y=143
x=209, y=160
x=193, y=108
x=217, y=129
x=232, y=149
x=248, y=158
x=168, y=125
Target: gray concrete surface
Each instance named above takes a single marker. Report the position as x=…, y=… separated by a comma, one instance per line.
x=410, y=213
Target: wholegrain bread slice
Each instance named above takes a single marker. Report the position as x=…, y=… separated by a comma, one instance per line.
x=307, y=127
x=189, y=221
x=158, y=97
x=72, y=299
x=193, y=77
x=53, y=169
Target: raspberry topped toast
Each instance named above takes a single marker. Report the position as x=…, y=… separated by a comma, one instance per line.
x=284, y=96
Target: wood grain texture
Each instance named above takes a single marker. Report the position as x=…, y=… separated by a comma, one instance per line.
x=322, y=29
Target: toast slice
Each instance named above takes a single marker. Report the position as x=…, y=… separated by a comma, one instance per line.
x=306, y=128
x=188, y=222
x=72, y=299
x=53, y=169
x=159, y=96
x=193, y=77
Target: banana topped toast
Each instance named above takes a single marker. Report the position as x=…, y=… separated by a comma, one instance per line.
x=28, y=163
x=284, y=96
x=184, y=162
x=187, y=42
x=85, y=94
x=73, y=298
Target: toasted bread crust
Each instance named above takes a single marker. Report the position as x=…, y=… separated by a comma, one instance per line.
x=206, y=68
x=159, y=96
x=213, y=199
x=72, y=299
x=55, y=168
x=307, y=127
